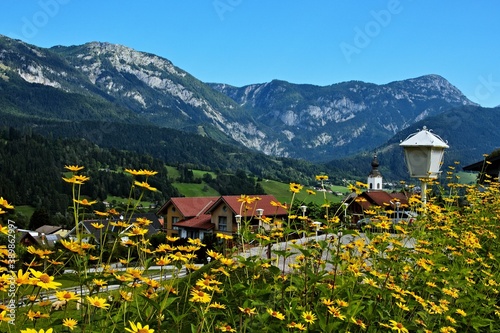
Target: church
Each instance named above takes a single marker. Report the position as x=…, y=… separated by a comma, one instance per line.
x=375, y=195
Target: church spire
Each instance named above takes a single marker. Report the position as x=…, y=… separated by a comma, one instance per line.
x=375, y=177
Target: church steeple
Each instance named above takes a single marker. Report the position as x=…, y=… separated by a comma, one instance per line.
x=375, y=177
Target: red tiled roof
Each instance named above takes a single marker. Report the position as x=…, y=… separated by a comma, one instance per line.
x=382, y=198
x=198, y=222
x=189, y=207
x=236, y=206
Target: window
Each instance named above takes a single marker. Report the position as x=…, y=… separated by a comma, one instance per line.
x=222, y=223
x=175, y=219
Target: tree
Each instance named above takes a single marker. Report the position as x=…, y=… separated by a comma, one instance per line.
x=39, y=218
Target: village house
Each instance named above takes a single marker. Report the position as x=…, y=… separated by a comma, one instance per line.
x=375, y=195
x=489, y=166
x=196, y=217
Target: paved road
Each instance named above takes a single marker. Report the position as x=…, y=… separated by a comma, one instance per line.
x=283, y=263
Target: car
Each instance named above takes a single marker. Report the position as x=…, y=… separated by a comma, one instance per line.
x=395, y=217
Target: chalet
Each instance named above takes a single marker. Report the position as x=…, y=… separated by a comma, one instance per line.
x=38, y=239
x=187, y=217
x=198, y=216
x=223, y=212
x=52, y=230
x=489, y=166
x=374, y=196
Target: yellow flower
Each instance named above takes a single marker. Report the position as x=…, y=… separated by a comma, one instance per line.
x=327, y=301
x=195, y=241
x=360, y=184
x=67, y=296
x=199, y=296
x=225, y=328
x=461, y=312
x=39, y=252
x=395, y=326
x=213, y=254
x=311, y=192
x=138, y=328
x=31, y=330
x=121, y=224
x=44, y=281
x=297, y=326
x=142, y=221
x=248, y=311
x=403, y=306
x=98, y=213
x=163, y=261
x=136, y=231
x=73, y=168
x=295, y=188
x=99, y=282
x=149, y=172
x=135, y=172
x=98, y=302
x=4, y=316
x=87, y=246
x=145, y=185
x=178, y=256
x=276, y=314
x=278, y=204
x=125, y=296
x=32, y=315
x=309, y=317
x=73, y=180
x=223, y=236
x=172, y=238
x=71, y=245
x=321, y=177
x=70, y=323
x=22, y=278
x=358, y=322
x=246, y=199
x=226, y=261
x=335, y=312
x=97, y=225
x=216, y=305
x=85, y=202
x=5, y=204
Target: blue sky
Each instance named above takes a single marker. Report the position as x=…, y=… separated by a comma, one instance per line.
x=321, y=42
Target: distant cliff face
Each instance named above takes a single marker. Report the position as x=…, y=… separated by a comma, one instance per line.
x=277, y=118
x=333, y=121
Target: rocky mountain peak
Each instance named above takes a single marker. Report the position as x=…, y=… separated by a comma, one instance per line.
x=277, y=117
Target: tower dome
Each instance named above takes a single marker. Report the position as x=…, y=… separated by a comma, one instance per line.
x=375, y=177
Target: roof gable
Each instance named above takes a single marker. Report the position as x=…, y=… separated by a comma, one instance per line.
x=383, y=198
x=197, y=222
x=188, y=206
x=48, y=229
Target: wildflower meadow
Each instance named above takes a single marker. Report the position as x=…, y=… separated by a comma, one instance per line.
x=438, y=274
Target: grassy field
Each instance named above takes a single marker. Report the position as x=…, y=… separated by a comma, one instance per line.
x=195, y=190
x=282, y=192
x=25, y=210
x=173, y=173
x=467, y=177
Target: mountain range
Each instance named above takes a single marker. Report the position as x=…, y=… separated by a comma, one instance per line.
x=115, y=84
